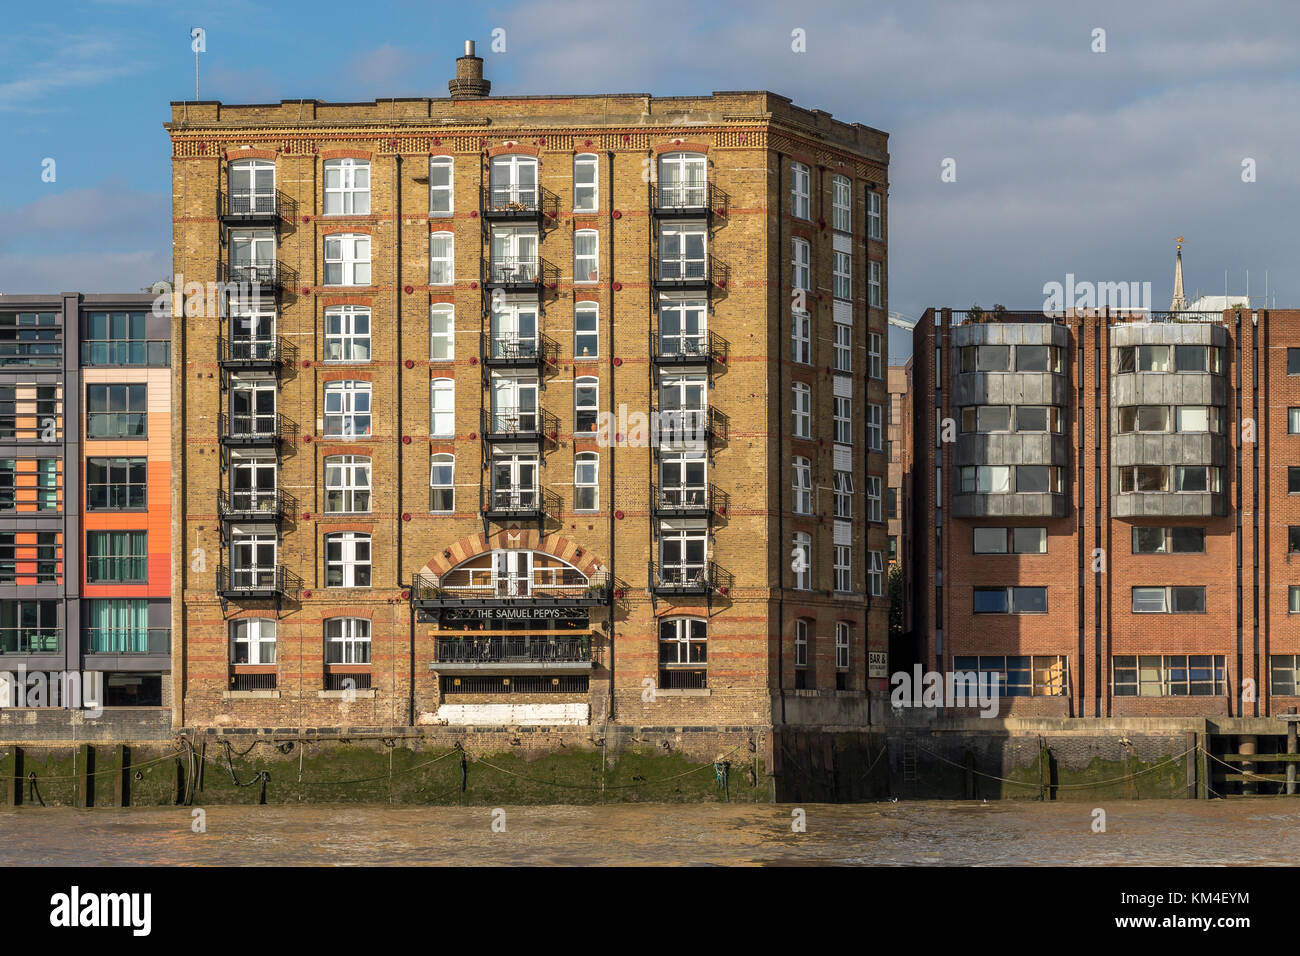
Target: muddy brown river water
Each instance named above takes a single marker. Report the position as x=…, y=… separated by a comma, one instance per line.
x=1256, y=832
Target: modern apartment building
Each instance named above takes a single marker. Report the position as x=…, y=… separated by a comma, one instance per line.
x=543, y=410
x=85, y=523
x=1106, y=508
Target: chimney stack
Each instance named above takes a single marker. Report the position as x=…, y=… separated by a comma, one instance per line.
x=469, y=83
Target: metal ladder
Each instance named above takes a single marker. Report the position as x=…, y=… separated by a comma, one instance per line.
x=909, y=762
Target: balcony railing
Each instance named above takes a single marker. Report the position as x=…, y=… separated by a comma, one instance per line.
x=514, y=201
x=250, y=207
x=139, y=353
x=252, y=582
x=516, y=503
x=686, y=348
x=685, y=199
x=516, y=425
x=682, y=501
x=688, y=427
x=265, y=276
x=503, y=649
x=357, y=680
x=128, y=640
x=256, y=507
x=30, y=640
x=253, y=430
x=497, y=350
x=684, y=579
x=570, y=588
x=513, y=272
x=680, y=677
x=685, y=274
x=249, y=353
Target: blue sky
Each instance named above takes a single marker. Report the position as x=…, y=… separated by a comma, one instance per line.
x=1068, y=160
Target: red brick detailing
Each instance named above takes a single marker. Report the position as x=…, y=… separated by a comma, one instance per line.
x=512, y=150
x=329, y=450
x=334, y=527
x=347, y=300
x=346, y=154
x=554, y=544
x=682, y=146
x=331, y=230
x=344, y=374
x=234, y=153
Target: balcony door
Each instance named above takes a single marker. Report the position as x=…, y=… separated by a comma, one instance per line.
x=683, y=251
x=514, y=254
x=252, y=186
x=514, y=573
x=252, y=561
x=252, y=485
x=252, y=407
x=514, y=482
x=252, y=255
x=681, y=407
x=682, y=177
x=252, y=335
x=514, y=404
x=513, y=182
x=514, y=330
x=682, y=327
x=682, y=479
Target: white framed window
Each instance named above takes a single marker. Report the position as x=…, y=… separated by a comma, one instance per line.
x=683, y=178
x=843, y=350
x=347, y=333
x=513, y=182
x=252, y=641
x=875, y=357
x=842, y=278
x=347, y=259
x=842, y=645
x=586, y=481
x=843, y=488
x=252, y=186
x=586, y=404
x=843, y=420
x=876, y=573
x=800, y=264
x=843, y=568
x=347, y=640
x=252, y=560
x=586, y=330
x=683, y=251
x=347, y=409
x=986, y=479
x=841, y=204
x=347, y=560
x=347, y=484
x=802, y=561
x=442, y=258
x=802, y=408
x=252, y=255
x=874, y=230
x=442, y=332
x=442, y=483
x=441, y=202
x=802, y=485
x=514, y=403
x=801, y=643
x=514, y=254
x=514, y=481
x=442, y=408
x=683, y=478
x=347, y=187
x=252, y=333
x=585, y=180
x=514, y=328
x=252, y=484
x=683, y=555
x=801, y=338
x=585, y=256
x=800, y=191
x=874, y=294
x=874, y=432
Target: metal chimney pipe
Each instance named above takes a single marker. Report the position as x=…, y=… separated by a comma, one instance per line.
x=469, y=47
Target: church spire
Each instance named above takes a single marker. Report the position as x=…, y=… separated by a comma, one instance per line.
x=1179, y=304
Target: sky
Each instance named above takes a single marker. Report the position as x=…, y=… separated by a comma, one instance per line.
x=1068, y=150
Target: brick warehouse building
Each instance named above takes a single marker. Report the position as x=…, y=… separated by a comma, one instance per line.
x=85, y=519
x=1111, y=519
x=402, y=498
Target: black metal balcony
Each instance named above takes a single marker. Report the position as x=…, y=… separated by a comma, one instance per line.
x=686, y=275
x=250, y=208
x=573, y=589
x=683, y=579
x=681, y=501
x=685, y=200
x=515, y=351
x=473, y=648
x=253, y=431
x=678, y=348
x=519, y=504
x=514, y=202
x=256, y=507
x=513, y=273
x=688, y=427
x=515, y=425
x=250, y=354
x=252, y=583
x=261, y=277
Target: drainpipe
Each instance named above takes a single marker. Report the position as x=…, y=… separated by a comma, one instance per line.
x=780, y=436
x=397, y=438
x=609, y=253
